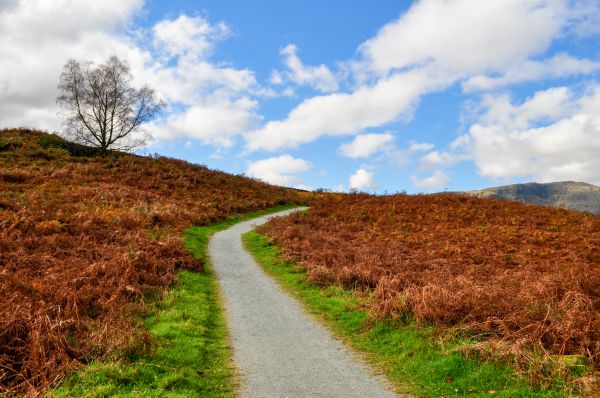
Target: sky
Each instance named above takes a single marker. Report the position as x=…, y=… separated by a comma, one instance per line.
x=380, y=96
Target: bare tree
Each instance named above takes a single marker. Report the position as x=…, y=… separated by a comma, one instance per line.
x=101, y=107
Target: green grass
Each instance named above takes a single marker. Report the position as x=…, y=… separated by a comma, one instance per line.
x=411, y=357
x=192, y=357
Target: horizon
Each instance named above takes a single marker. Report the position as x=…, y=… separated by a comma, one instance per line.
x=422, y=96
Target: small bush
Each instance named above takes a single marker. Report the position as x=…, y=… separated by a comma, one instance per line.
x=48, y=140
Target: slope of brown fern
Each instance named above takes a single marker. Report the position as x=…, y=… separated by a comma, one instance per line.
x=84, y=239
x=527, y=274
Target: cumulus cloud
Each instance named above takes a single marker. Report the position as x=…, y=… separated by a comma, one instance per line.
x=560, y=65
x=548, y=104
x=34, y=47
x=465, y=35
x=207, y=101
x=276, y=78
x=216, y=123
x=554, y=135
x=432, y=46
x=345, y=114
x=216, y=101
x=186, y=34
x=366, y=144
x=319, y=77
x=432, y=183
x=586, y=18
x=189, y=82
x=435, y=159
x=279, y=170
x=363, y=179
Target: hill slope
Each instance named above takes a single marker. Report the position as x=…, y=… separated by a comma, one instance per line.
x=524, y=274
x=84, y=239
x=568, y=194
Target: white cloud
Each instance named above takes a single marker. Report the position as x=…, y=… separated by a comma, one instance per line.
x=216, y=123
x=216, y=99
x=77, y=18
x=560, y=65
x=436, y=158
x=35, y=46
x=586, y=18
x=434, y=182
x=276, y=78
x=318, y=77
x=345, y=114
x=420, y=146
x=362, y=179
x=551, y=103
x=366, y=144
x=191, y=82
x=465, y=35
x=432, y=46
x=557, y=139
x=280, y=170
x=185, y=35
x=206, y=101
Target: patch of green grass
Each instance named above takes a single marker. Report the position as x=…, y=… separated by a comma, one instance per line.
x=411, y=357
x=191, y=359
x=192, y=356
x=196, y=238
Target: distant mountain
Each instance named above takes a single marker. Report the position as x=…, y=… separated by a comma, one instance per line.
x=568, y=194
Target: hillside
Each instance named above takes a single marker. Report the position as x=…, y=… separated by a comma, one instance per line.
x=523, y=276
x=568, y=194
x=85, y=240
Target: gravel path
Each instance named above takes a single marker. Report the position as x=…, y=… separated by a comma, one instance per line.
x=279, y=350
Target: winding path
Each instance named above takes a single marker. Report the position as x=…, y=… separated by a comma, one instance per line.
x=279, y=350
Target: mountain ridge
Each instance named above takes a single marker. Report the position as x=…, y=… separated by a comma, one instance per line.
x=571, y=195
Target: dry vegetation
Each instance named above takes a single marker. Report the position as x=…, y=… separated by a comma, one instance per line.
x=525, y=275
x=85, y=239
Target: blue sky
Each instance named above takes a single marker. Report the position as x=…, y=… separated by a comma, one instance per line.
x=378, y=96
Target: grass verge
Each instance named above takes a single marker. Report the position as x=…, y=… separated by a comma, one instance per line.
x=191, y=357
x=412, y=358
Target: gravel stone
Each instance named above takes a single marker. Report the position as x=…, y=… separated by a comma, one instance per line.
x=279, y=350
